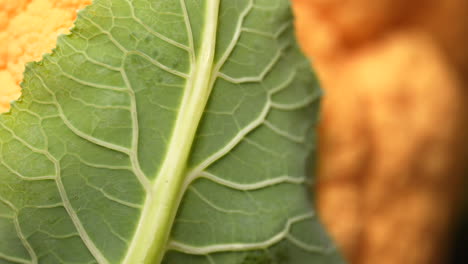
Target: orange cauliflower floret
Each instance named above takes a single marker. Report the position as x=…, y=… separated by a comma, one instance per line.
x=28, y=29
x=393, y=116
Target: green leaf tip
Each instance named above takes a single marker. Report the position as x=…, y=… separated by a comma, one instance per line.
x=164, y=131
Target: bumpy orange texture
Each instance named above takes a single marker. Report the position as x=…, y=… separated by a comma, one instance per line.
x=28, y=29
x=391, y=137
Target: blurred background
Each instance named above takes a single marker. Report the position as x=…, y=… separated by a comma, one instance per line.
x=392, y=147
x=392, y=150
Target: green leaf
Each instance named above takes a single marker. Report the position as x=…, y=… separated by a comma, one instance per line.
x=164, y=131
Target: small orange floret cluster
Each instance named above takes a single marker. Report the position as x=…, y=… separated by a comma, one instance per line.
x=28, y=29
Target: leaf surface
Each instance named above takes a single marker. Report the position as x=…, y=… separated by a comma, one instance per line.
x=172, y=131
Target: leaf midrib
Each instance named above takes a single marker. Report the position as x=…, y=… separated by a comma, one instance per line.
x=148, y=244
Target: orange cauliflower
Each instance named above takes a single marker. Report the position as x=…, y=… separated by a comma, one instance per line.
x=391, y=138
x=28, y=29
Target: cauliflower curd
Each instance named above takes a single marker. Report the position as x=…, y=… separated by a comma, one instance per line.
x=28, y=29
